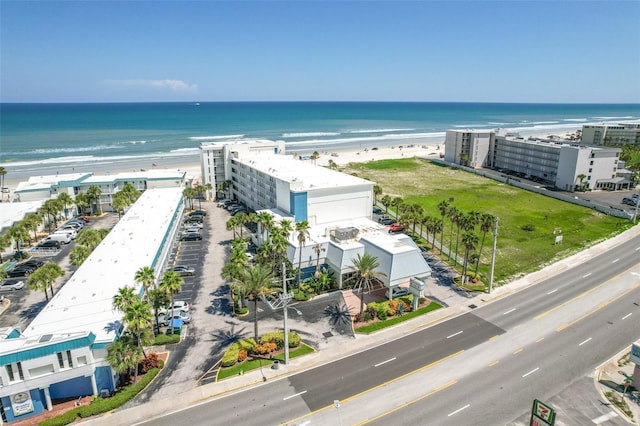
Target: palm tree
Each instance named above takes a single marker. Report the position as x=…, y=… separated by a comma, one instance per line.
x=130, y=191
x=79, y=254
x=189, y=194
x=3, y=173
x=302, y=229
x=66, y=201
x=242, y=219
x=265, y=223
x=120, y=202
x=315, y=156
x=397, y=202
x=464, y=223
x=255, y=282
x=51, y=208
x=287, y=227
x=486, y=224
x=82, y=202
x=377, y=191
x=89, y=238
x=581, y=177
x=139, y=322
x=386, y=200
x=123, y=355
x=443, y=207
x=365, y=274
x=332, y=164
x=232, y=225
x=201, y=191
x=470, y=241
x=32, y=222
x=5, y=243
x=454, y=215
x=317, y=249
x=170, y=284
x=44, y=278
x=145, y=276
x=19, y=234
x=93, y=197
x=124, y=299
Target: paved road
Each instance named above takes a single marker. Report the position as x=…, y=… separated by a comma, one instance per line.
x=532, y=322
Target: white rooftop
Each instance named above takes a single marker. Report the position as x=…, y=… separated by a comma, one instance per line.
x=85, y=302
x=152, y=174
x=47, y=181
x=301, y=175
x=15, y=212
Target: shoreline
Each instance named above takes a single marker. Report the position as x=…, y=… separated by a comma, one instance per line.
x=340, y=155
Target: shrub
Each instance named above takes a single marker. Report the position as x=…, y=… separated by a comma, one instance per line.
x=382, y=313
x=264, y=348
x=247, y=344
x=276, y=337
x=241, y=311
x=242, y=355
x=366, y=316
x=230, y=357
x=300, y=296
x=166, y=339
x=151, y=361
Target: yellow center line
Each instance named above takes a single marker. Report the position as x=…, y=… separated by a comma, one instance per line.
x=518, y=351
x=540, y=340
x=406, y=404
x=602, y=305
x=426, y=367
x=494, y=337
x=494, y=363
x=580, y=296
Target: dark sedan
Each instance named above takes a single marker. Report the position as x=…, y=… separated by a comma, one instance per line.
x=21, y=271
x=191, y=236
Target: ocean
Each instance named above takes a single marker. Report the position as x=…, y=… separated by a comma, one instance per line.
x=50, y=138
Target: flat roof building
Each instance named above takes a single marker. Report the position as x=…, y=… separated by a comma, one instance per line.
x=62, y=352
x=611, y=134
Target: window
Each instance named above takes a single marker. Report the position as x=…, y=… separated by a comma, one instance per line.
x=69, y=359
x=40, y=371
x=60, y=360
x=82, y=360
x=591, y=163
x=9, y=369
x=20, y=373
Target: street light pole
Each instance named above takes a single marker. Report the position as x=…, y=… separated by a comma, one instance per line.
x=493, y=254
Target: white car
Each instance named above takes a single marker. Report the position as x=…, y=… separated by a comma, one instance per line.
x=11, y=285
x=178, y=305
x=399, y=291
x=184, y=316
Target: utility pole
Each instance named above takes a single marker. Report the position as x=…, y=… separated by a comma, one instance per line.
x=493, y=254
x=635, y=214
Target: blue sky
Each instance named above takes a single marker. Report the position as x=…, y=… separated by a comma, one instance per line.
x=509, y=51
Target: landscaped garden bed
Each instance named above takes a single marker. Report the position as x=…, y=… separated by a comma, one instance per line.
x=386, y=313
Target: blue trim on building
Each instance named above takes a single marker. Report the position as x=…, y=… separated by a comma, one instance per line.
x=77, y=386
x=104, y=379
x=298, y=205
x=44, y=350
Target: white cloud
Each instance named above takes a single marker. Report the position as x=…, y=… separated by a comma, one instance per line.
x=173, y=85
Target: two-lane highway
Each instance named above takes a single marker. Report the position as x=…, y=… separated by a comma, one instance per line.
x=487, y=364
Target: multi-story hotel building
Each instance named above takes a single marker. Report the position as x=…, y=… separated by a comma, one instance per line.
x=611, y=134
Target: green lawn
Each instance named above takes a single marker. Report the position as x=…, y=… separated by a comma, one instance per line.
x=518, y=251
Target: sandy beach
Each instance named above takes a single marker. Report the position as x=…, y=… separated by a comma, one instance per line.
x=191, y=163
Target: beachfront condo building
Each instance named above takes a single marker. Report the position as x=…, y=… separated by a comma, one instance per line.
x=611, y=134
x=337, y=206
x=567, y=166
x=468, y=147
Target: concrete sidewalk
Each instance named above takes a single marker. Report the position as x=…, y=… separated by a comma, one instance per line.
x=336, y=347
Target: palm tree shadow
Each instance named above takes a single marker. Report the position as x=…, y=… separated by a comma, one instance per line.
x=32, y=311
x=340, y=317
x=222, y=339
x=220, y=304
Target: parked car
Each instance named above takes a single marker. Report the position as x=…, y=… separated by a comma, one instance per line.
x=192, y=228
x=178, y=305
x=396, y=227
x=198, y=213
x=76, y=222
x=37, y=263
x=222, y=203
x=21, y=271
x=377, y=210
x=399, y=291
x=191, y=236
x=49, y=244
x=184, y=316
x=632, y=201
x=12, y=285
x=73, y=225
x=194, y=219
x=184, y=270
x=388, y=221
x=85, y=219
x=62, y=237
x=194, y=224
x=382, y=218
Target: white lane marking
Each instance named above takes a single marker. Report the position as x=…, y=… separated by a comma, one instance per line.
x=585, y=341
x=614, y=261
x=458, y=410
x=308, y=422
x=637, y=248
x=603, y=418
x=454, y=334
x=553, y=291
x=294, y=395
x=509, y=311
x=384, y=362
x=627, y=316
x=531, y=372
x=585, y=276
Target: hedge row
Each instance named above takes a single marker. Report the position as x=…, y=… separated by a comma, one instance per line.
x=100, y=405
